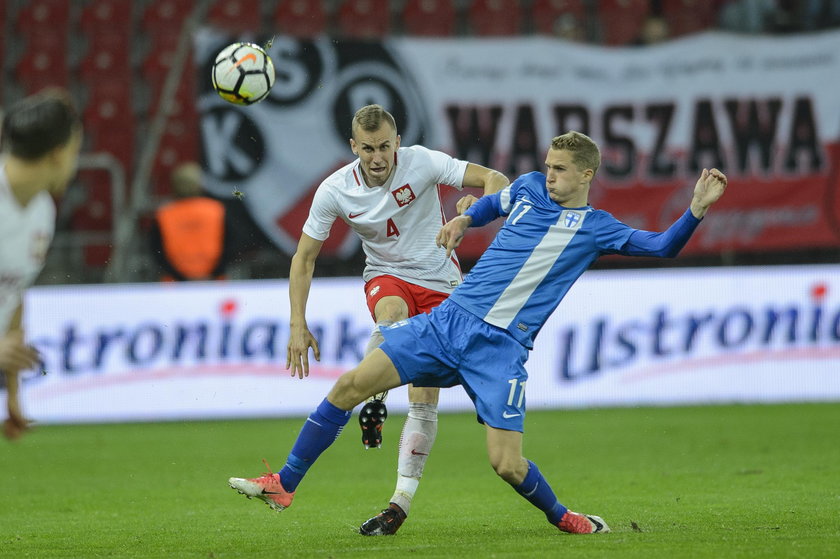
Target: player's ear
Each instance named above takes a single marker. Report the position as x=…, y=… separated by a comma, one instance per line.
x=397, y=145
x=353, y=147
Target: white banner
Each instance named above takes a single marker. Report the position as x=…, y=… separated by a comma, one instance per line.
x=763, y=109
x=216, y=350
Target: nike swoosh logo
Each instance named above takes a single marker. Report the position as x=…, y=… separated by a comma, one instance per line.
x=414, y=452
x=354, y=216
x=249, y=56
x=507, y=415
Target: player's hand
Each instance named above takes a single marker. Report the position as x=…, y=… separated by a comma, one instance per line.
x=15, y=354
x=708, y=190
x=450, y=235
x=297, y=351
x=464, y=203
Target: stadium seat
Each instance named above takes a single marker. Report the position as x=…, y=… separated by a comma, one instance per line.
x=301, y=18
x=94, y=213
x=166, y=16
x=550, y=17
x=495, y=17
x=43, y=63
x=44, y=16
x=155, y=68
x=429, y=18
x=107, y=53
x=621, y=20
x=689, y=16
x=237, y=16
x=113, y=16
x=109, y=119
x=178, y=144
x=364, y=19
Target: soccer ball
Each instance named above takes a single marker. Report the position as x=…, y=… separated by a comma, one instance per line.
x=243, y=74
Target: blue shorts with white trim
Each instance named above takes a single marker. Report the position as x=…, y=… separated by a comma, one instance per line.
x=451, y=346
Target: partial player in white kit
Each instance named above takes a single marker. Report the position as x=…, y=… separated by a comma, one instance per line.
x=41, y=138
x=389, y=197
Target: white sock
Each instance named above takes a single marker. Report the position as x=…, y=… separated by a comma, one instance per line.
x=415, y=444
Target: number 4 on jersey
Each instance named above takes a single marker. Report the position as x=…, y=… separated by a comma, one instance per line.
x=391, y=228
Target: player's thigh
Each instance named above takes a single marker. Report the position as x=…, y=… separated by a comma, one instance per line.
x=376, y=373
x=390, y=308
x=423, y=394
x=389, y=298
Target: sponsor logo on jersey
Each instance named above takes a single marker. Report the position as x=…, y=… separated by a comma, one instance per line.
x=403, y=195
x=351, y=215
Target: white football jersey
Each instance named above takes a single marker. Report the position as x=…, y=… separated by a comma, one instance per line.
x=397, y=222
x=25, y=236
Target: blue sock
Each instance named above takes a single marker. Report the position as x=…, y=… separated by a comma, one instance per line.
x=320, y=431
x=536, y=489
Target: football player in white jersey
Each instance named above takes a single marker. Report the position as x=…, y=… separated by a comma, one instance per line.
x=481, y=335
x=389, y=197
x=41, y=137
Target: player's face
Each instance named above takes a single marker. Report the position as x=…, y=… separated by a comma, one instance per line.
x=65, y=160
x=376, y=151
x=567, y=185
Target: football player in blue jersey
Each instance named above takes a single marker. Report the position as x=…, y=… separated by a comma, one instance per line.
x=481, y=335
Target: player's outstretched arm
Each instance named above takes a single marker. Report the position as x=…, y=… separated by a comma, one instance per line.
x=708, y=190
x=300, y=281
x=667, y=244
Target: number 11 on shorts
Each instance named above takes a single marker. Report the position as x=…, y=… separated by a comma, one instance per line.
x=513, y=385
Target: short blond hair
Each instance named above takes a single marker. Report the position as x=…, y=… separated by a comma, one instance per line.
x=584, y=150
x=370, y=117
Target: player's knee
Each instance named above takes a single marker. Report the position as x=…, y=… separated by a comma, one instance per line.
x=423, y=395
x=507, y=470
x=391, y=309
x=347, y=392
x=510, y=467
x=375, y=340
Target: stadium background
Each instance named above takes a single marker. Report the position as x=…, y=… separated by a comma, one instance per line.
x=138, y=73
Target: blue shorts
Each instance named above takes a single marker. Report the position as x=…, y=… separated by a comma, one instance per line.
x=451, y=346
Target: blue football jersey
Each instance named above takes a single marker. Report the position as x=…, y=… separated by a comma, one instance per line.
x=540, y=251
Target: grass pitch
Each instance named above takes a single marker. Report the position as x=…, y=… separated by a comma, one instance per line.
x=724, y=481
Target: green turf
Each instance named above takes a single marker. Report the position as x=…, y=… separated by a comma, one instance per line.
x=728, y=481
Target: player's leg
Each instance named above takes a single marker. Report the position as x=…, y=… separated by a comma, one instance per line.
x=505, y=451
x=492, y=368
x=15, y=425
x=387, y=301
x=419, y=431
x=374, y=374
x=416, y=442
x=373, y=413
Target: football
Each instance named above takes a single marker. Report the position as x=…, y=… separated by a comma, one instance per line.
x=243, y=74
